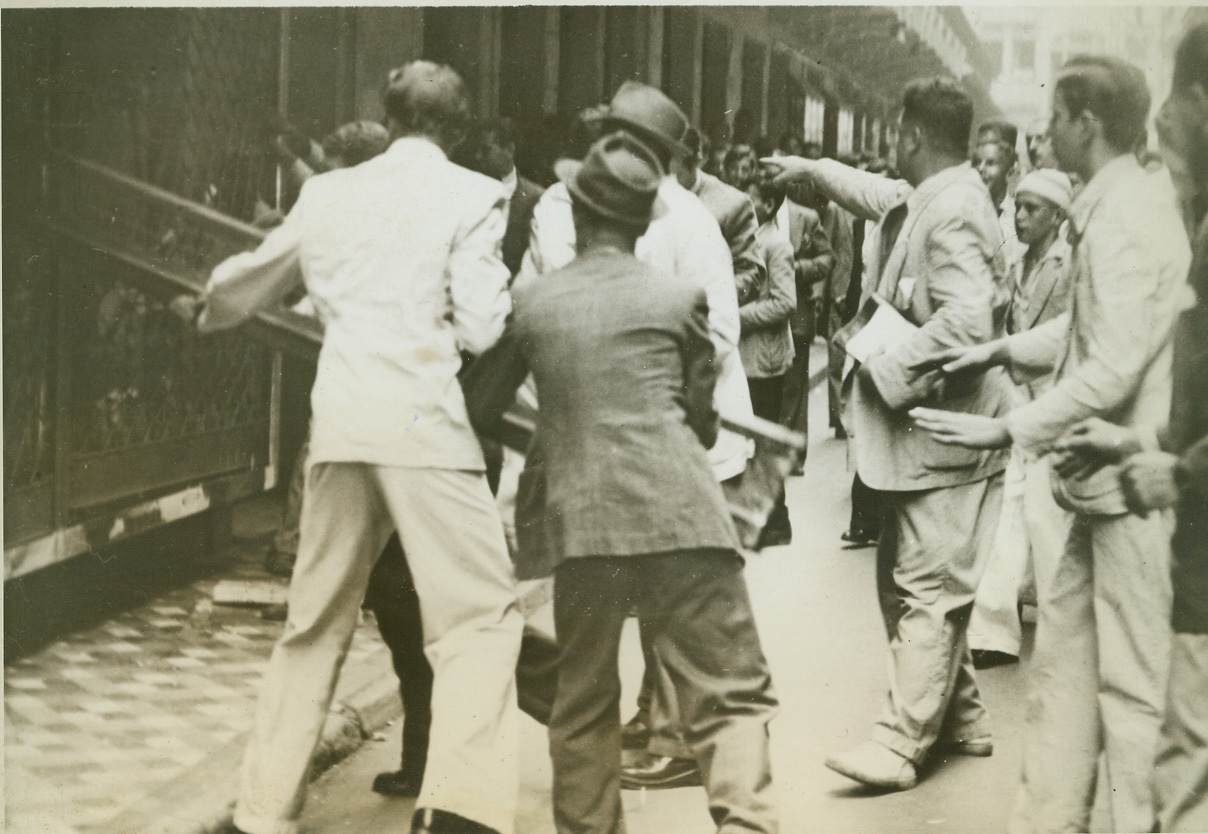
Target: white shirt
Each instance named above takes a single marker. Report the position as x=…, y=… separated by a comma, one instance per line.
x=400, y=256
x=685, y=242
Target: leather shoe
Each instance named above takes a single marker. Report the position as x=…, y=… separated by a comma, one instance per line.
x=432, y=821
x=989, y=658
x=875, y=764
x=635, y=735
x=397, y=783
x=981, y=746
x=657, y=773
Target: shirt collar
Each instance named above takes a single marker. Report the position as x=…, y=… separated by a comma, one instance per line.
x=416, y=146
x=510, y=181
x=1103, y=181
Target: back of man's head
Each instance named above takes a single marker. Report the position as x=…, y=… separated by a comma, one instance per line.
x=427, y=99
x=942, y=111
x=1113, y=92
x=354, y=143
x=1191, y=60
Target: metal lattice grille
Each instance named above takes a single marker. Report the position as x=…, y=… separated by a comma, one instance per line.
x=175, y=110
x=28, y=310
x=182, y=99
x=145, y=377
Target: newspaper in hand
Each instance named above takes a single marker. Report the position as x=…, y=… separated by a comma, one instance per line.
x=885, y=330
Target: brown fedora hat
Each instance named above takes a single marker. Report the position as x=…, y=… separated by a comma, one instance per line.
x=650, y=113
x=618, y=179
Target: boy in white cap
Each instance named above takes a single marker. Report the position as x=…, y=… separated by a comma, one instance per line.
x=1032, y=527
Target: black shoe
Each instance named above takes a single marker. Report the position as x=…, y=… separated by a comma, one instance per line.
x=858, y=538
x=774, y=537
x=397, y=783
x=280, y=563
x=429, y=821
x=988, y=659
x=661, y=772
x=635, y=735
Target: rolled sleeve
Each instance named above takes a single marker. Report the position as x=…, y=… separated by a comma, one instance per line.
x=478, y=281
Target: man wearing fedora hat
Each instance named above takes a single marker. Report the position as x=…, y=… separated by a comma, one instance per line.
x=632, y=515
x=684, y=241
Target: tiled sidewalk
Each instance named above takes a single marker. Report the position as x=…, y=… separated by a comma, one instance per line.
x=101, y=721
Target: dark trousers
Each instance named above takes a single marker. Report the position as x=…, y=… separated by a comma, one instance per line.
x=767, y=401
x=794, y=411
x=694, y=605
x=865, y=510
x=395, y=605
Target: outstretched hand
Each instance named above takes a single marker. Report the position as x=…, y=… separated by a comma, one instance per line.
x=785, y=170
x=187, y=307
x=961, y=359
x=1091, y=445
x=955, y=428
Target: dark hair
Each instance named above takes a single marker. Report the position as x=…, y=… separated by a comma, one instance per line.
x=692, y=139
x=1000, y=131
x=1191, y=59
x=1111, y=90
x=427, y=99
x=502, y=130
x=769, y=189
x=356, y=142
x=811, y=150
x=942, y=110
x=764, y=146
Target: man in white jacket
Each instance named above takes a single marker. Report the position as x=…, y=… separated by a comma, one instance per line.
x=401, y=256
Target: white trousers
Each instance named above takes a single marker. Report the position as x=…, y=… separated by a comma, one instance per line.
x=1098, y=677
x=1031, y=520
x=1181, y=775
x=451, y=533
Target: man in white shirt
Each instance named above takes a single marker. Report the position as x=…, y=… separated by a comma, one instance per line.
x=683, y=242
x=401, y=258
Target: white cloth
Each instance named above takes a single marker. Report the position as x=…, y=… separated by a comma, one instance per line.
x=782, y=222
x=400, y=256
x=683, y=242
x=1097, y=683
x=450, y=531
x=1181, y=772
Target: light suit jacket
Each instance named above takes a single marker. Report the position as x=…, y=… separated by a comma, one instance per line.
x=401, y=257
x=940, y=274
x=1112, y=352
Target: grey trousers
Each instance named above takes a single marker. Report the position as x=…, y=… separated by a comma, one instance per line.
x=450, y=529
x=934, y=545
x=696, y=608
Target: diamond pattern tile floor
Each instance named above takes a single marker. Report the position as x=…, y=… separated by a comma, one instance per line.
x=96, y=721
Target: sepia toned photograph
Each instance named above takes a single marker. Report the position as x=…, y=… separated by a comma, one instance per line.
x=604, y=419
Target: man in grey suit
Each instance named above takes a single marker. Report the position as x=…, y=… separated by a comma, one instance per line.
x=933, y=258
x=624, y=369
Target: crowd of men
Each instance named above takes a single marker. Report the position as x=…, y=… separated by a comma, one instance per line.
x=1037, y=420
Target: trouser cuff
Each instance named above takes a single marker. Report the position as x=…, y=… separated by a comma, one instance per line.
x=898, y=743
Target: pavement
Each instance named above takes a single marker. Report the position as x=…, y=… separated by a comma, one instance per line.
x=816, y=610
x=139, y=724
